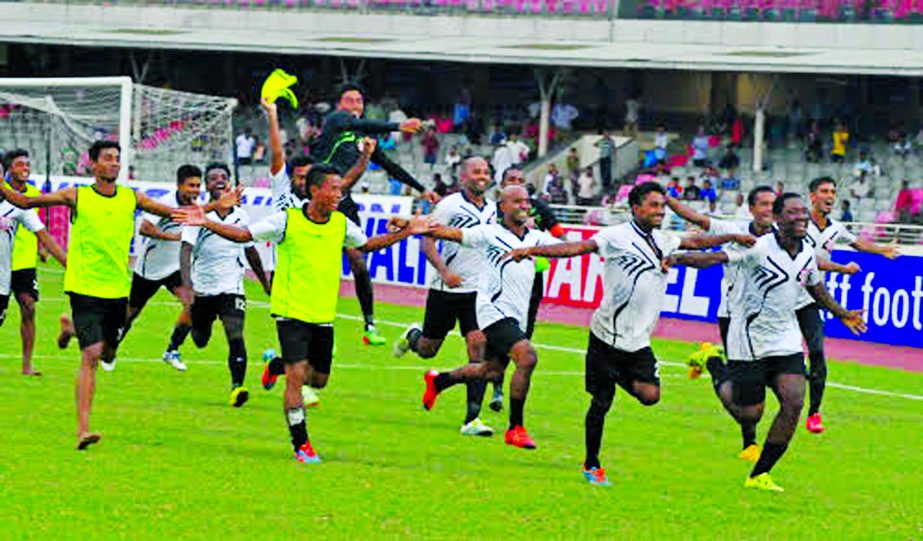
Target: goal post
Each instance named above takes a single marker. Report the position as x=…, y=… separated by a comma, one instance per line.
x=158, y=129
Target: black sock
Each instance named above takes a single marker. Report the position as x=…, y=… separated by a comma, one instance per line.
x=180, y=332
x=297, y=426
x=516, y=407
x=748, y=432
x=817, y=381
x=413, y=337
x=594, y=423
x=443, y=381
x=276, y=366
x=476, y=391
x=237, y=361
x=718, y=371
x=771, y=454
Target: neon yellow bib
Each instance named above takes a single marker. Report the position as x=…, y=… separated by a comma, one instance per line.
x=101, y=231
x=25, y=244
x=306, y=285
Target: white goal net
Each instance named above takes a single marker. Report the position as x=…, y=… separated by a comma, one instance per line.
x=57, y=119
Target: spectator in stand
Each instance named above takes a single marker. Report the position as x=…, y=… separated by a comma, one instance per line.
x=551, y=176
x=700, y=148
x=661, y=141
x=572, y=163
x=710, y=173
x=840, y=140
x=903, y=207
x=501, y=161
x=397, y=116
x=813, y=148
x=741, y=208
x=430, y=144
x=845, y=213
x=902, y=146
x=691, y=192
x=606, y=145
x=519, y=151
x=864, y=164
x=586, y=188
x=557, y=194
x=441, y=188
x=497, y=137
x=674, y=189
x=632, y=114
x=245, y=144
x=780, y=188
x=452, y=160
x=860, y=188
x=708, y=193
x=730, y=161
x=563, y=116
x=737, y=131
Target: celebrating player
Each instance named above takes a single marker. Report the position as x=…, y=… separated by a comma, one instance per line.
x=306, y=285
x=158, y=264
x=212, y=267
x=453, y=293
x=634, y=284
x=502, y=305
x=764, y=342
x=27, y=246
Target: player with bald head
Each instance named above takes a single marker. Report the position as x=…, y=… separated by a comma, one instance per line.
x=504, y=287
x=453, y=291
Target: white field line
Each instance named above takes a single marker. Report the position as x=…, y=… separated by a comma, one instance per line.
x=576, y=351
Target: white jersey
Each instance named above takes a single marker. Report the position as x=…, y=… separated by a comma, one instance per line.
x=634, y=284
x=160, y=258
x=218, y=264
x=10, y=219
x=504, y=285
x=823, y=243
x=722, y=227
x=456, y=211
x=763, y=321
x=282, y=195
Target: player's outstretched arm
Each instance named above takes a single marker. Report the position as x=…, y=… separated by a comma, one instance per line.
x=66, y=197
x=147, y=204
x=564, y=249
x=699, y=242
x=397, y=172
x=256, y=265
x=698, y=260
x=450, y=278
x=195, y=216
x=53, y=247
x=377, y=127
x=850, y=268
x=150, y=230
x=688, y=214
x=358, y=169
x=888, y=250
x=851, y=318
x=419, y=225
x=276, y=154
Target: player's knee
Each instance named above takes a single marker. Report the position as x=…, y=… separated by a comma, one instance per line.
x=526, y=358
x=600, y=405
x=91, y=354
x=200, y=339
x=319, y=381
x=27, y=308
x=649, y=396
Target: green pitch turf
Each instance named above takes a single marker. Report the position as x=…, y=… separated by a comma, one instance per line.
x=177, y=462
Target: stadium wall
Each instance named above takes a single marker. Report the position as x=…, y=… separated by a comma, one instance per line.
x=891, y=292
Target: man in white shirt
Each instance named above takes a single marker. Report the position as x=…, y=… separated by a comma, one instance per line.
x=824, y=233
x=11, y=218
x=501, y=161
x=764, y=340
x=634, y=284
x=244, y=144
x=157, y=264
x=519, y=151
x=213, y=268
x=453, y=292
x=502, y=305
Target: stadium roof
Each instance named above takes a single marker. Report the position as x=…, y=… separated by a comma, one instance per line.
x=625, y=46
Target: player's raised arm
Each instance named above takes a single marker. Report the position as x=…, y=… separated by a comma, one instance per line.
x=888, y=250
x=66, y=197
x=698, y=260
x=195, y=216
x=399, y=173
x=355, y=172
x=419, y=225
x=276, y=153
x=699, y=242
x=688, y=214
x=147, y=204
x=564, y=249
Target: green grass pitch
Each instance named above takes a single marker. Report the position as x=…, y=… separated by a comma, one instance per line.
x=177, y=462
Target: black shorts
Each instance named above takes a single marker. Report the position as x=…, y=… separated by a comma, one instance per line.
x=207, y=308
x=302, y=341
x=143, y=289
x=443, y=309
x=750, y=378
x=501, y=336
x=724, y=323
x=607, y=367
x=98, y=320
x=24, y=281
x=350, y=209
x=4, y=303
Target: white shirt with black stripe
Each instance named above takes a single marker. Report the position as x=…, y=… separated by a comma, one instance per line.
x=457, y=211
x=218, y=264
x=504, y=286
x=731, y=271
x=762, y=305
x=634, y=284
x=282, y=195
x=159, y=258
x=824, y=241
x=10, y=219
